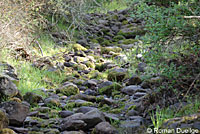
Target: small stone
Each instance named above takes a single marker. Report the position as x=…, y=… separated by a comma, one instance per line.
x=68, y=89
x=85, y=109
x=65, y=113
x=117, y=74
x=104, y=128
x=72, y=125
x=32, y=98
x=134, y=80
x=52, y=102
x=130, y=90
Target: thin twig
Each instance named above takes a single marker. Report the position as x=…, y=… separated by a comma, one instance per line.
x=188, y=91
x=39, y=47
x=191, y=17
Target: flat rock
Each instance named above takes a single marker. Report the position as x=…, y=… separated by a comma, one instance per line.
x=92, y=118
x=17, y=112
x=104, y=128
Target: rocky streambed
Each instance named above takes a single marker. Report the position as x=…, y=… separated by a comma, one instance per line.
x=98, y=96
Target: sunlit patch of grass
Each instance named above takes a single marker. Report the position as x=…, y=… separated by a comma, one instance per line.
x=113, y=5
x=48, y=46
x=33, y=79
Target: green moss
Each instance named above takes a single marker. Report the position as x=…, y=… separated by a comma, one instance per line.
x=68, y=90
x=93, y=74
x=132, y=107
x=87, y=103
x=106, y=50
x=70, y=105
x=109, y=89
x=78, y=47
x=117, y=76
x=116, y=111
x=125, y=22
x=7, y=131
x=90, y=64
x=99, y=67
x=99, y=98
x=129, y=41
x=94, y=41
x=118, y=38
x=105, y=108
x=106, y=43
x=100, y=39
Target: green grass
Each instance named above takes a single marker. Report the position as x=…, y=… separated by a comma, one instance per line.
x=113, y=5
x=33, y=79
x=160, y=115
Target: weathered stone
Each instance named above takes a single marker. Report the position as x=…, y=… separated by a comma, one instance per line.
x=65, y=113
x=92, y=118
x=132, y=127
x=72, y=125
x=17, y=112
x=32, y=98
x=7, y=87
x=52, y=102
x=108, y=87
x=117, y=74
x=68, y=89
x=85, y=109
x=104, y=128
x=130, y=90
x=83, y=97
x=134, y=80
x=106, y=50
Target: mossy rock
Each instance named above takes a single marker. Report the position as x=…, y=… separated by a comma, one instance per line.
x=3, y=120
x=7, y=131
x=100, y=39
x=106, y=43
x=93, y=74
x=32, y=98
x=105, y=108
x=118, y=38
x=131, y=32
x=129, y=41
x=94, y=41
x=124, y=22
x=83, y=103
x=90, y=64
x=99, y=67
x=116, y=111
x=78, y=47
x=68, y=89
x=110, y=88
x=117, y=74
x=106, y=50
x=80, y=67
